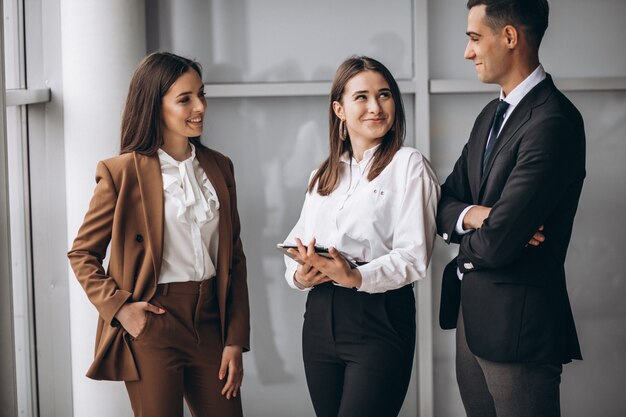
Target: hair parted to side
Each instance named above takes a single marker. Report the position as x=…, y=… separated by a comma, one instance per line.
x=528, y=16
x=327, y=175
x=141, y=120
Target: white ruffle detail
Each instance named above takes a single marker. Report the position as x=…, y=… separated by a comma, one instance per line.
x=194, y=202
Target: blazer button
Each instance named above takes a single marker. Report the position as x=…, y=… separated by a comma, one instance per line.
x=139, y=238
x=445, y=236
x=468, y=265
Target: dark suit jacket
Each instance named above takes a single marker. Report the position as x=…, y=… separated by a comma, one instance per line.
x=513, y=295
x=126, y=211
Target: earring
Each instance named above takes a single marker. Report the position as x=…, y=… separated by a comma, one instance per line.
x=343, y=130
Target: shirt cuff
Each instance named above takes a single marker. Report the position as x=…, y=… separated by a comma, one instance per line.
x=459, y=274
x=459, y=223
x=368, y=281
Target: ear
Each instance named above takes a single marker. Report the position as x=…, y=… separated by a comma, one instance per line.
x=338, y=109
x=511, y=36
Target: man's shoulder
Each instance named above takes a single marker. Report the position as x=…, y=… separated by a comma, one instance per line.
x=553, y=101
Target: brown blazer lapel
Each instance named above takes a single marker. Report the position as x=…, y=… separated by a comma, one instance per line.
x=151, y=188
x=212, y=170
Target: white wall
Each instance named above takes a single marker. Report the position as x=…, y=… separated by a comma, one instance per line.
x=102, y=43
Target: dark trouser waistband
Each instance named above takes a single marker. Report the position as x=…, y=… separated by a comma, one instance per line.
x=187, y=287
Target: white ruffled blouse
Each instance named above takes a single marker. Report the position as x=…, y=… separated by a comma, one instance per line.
x=191, y=220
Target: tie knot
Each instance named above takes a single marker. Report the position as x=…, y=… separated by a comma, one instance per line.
x=502, y=106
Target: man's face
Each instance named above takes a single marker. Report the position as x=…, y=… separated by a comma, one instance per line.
x=487, y=48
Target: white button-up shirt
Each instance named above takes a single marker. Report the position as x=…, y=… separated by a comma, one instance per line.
x=191, y=206
x=388, y=222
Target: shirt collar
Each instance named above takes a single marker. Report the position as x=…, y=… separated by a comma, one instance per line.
x=168, y=159
x=518, y=93
x=367, y=156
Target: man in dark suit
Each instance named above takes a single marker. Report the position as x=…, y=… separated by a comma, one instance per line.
x=510, y=203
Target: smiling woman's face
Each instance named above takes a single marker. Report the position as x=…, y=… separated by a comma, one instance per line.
x=182, y=107
x=367, y=106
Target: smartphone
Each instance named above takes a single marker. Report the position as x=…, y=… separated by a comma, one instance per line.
x=320, y=250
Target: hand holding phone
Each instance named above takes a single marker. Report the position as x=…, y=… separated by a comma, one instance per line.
x=320, y=250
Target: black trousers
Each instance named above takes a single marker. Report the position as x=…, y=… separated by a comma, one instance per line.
x=358, y=350
x=494, y=389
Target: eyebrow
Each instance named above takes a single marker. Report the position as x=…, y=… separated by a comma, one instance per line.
x=367, y=91
x=185, y=93
x=473, y=34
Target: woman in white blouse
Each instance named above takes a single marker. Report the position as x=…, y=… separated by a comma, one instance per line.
x=173, y=301
x=372, y=201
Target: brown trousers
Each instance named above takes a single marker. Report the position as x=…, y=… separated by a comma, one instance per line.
x=178, y=355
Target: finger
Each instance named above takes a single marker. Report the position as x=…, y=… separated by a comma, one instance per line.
x=540, y=228
x=153, y=309
x=223, y=369
x=335, y=254
x=310, y=250
x=296, y=255
x=539, y=237
x=301, y=248
x=320, y=278
x=230, y=383
x=304, y=269
x=534, y=242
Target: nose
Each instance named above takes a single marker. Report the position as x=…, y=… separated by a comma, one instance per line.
x=373, y=106
x=199, y=104
x=469, y=51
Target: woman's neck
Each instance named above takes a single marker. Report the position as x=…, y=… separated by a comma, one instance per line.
x=178, y=148
x=359, y=147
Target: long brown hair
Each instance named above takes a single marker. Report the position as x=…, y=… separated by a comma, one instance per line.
x=141, y=120
x=327, y=175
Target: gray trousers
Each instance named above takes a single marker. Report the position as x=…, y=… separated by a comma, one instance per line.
x=495, y=389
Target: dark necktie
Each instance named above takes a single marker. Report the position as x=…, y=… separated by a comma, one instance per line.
x=495, y=129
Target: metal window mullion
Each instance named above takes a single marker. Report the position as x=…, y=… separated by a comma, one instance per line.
x=8, y=390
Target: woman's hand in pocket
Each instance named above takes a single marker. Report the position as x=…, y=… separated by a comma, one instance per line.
x=132, y=316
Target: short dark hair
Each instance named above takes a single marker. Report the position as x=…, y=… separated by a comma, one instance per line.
x=141, y=120
x=327, y=176
x=529, y=16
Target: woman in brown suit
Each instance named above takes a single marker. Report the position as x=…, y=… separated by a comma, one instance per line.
x=173, y=303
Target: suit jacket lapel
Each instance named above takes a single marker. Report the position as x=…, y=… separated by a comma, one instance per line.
x=150, y=182
x=520, y=115
x=210, y=167
x=475, y=162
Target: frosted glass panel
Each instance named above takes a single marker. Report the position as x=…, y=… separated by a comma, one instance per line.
x=584, y=39
x=595, y=263
x=282, y=40
x=452, y=118
x=11, y=41
x=274, y=144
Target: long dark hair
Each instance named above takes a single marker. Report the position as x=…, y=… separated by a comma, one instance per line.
x=141, y=121
x=327, y=175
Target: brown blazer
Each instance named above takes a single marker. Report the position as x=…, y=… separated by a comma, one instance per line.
x=126, y=211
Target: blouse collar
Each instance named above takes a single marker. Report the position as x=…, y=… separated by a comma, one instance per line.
x=193, y=200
